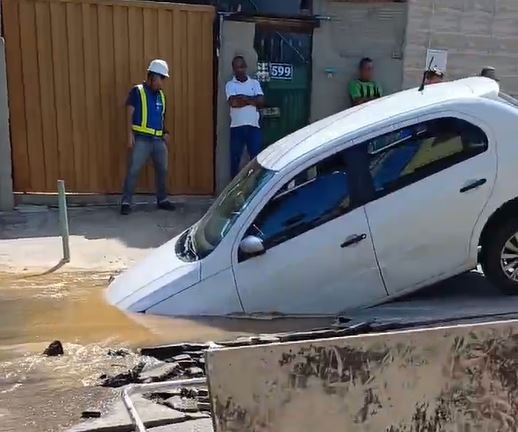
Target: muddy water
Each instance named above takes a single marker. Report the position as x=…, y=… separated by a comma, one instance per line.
x=48, y=394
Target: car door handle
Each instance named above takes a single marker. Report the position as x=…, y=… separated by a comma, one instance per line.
x=473, y=185
x=349, y=241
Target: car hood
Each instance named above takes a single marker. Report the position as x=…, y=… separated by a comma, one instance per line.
x=154, y=279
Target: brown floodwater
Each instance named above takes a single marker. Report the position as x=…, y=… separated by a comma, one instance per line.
x=40, y=394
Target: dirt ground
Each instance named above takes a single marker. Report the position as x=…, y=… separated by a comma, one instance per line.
x=100, y=239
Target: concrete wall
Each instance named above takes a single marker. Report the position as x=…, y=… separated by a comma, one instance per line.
x=355, y=30
x=6, y=181
x=237, y=38
x=476, y=33
x=448, y=379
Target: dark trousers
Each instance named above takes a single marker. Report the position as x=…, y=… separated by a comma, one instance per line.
x=143, y=149
x=239, y=137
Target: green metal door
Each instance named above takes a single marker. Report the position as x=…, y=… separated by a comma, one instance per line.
x=284, y=69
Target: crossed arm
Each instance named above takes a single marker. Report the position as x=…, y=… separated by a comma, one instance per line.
x=240, y=101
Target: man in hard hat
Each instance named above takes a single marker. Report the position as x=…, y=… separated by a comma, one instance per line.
x=147, y=136
x=489, y=72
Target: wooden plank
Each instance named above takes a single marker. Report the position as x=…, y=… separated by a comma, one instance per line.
x=30, y=73
x=165, y=51
x=206, y=89
x=150, y=27
x=92, y=96
x=77, y=94
x=136, y=45
x=180, y=111
x=20, y=152
x=137, y=71
x=61, y=78
x=122, y=80
x=106, y=71
x=47, y=102
x=143, y=4
x=193, y=101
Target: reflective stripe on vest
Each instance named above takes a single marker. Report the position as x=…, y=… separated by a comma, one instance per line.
x=142, y=128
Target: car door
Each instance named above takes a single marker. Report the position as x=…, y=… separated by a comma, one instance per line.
x=431, y=181
x=318, y=255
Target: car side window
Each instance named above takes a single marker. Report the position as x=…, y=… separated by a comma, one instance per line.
x=400, y=158
x=312, y=198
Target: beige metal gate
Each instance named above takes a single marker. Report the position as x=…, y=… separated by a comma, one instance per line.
x=70, y=66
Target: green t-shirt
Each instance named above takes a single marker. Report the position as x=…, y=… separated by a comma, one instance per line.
x=364, y=89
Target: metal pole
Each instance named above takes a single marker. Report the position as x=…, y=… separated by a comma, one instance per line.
x=63, y=220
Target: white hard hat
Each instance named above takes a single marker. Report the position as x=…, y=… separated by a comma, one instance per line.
x=159, y=66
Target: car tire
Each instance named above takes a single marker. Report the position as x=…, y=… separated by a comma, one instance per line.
x=498, y=263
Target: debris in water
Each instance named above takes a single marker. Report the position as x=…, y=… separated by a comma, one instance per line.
x=121, y=352
x=90, y=414
x=54, y=349
x=159, y=372
x=122, y=379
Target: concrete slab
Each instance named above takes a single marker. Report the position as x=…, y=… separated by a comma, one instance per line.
x=158, y=372
x=118, y=419
x=449, y=378
x=203, y=425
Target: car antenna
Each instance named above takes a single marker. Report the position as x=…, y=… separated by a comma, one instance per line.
x=423, y=82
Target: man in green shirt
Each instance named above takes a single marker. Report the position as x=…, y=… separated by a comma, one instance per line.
x=364, y=89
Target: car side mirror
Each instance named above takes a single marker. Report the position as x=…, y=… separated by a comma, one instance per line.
x=252, y=246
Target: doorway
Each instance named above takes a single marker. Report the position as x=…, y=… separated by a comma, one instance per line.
x=284, y=69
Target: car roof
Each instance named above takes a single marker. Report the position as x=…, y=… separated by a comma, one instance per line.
x=322, y=134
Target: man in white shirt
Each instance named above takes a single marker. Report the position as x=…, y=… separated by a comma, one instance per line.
x=245, y=97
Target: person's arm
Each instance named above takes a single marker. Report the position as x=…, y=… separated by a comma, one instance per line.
x=257, y=100
x=355, y=93
x=234, y=100
x=167, y=135
x=130, y=109
x=131, y=139
x=379, y=90
x=238, y=101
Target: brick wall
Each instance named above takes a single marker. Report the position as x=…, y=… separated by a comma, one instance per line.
x=476, y=33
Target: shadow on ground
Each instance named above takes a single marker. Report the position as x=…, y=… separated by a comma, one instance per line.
x=145, y=228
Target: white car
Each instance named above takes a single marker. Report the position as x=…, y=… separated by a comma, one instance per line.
x=364, y=206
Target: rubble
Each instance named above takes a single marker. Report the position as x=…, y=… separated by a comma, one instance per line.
x=90, y=414
x=121, y=352
x=118, y=419
x=125, y=378
x=159, y=372
x=54, y=349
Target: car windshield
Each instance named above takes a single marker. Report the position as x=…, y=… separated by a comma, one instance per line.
x=206, y=234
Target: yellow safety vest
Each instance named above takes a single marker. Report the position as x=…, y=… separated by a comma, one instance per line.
x=142, y=127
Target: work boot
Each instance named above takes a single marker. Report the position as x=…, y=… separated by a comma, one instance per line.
x=125, y=209
x=166, y=205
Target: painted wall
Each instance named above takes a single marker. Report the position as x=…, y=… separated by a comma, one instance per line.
x=353, y=31
x=459, y=378
x=476, y=33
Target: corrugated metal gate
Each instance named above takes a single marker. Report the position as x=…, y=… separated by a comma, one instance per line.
x=70, y=65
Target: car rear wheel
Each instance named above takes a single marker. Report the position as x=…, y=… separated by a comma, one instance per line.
x=500, y=262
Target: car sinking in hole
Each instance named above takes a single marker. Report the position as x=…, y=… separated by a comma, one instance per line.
x=354, y=210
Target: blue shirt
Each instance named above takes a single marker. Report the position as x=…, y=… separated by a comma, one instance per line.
x=154, y=108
